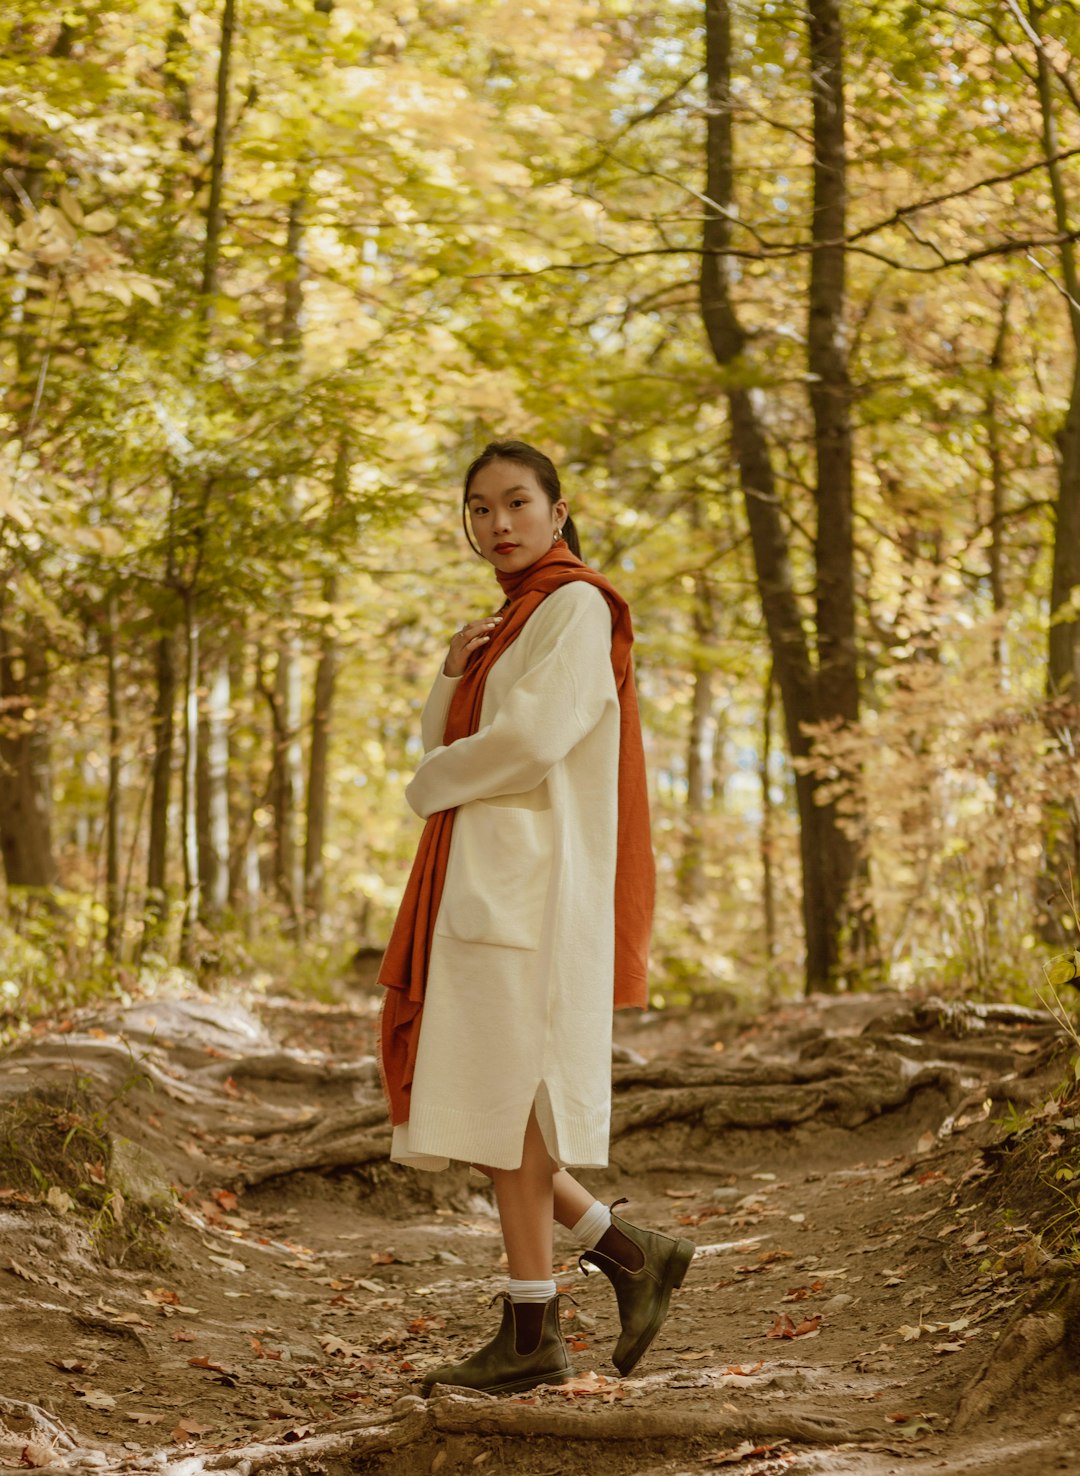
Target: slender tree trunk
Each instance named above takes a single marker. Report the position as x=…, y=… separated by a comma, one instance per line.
x=163, y=719
x=768, y=822
x=318, y=766
x=325, y=682
x=25, y=789
x=700, y=745
x=795, y=675
x=214, y=215
x=217, y=784
x=830, y=401
x=206, y=808
x=114, y=919
x=997, y=491
x=1062, y=822
x=281, y=699
x=188, y=825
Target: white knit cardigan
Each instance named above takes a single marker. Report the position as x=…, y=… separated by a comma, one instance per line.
x=521, y=976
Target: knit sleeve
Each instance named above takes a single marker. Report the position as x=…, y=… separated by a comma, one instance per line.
x=433, y=717
x=557, y=700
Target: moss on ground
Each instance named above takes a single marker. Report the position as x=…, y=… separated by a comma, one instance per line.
x=56, y=1148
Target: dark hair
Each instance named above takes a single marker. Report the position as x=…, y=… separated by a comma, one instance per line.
x=543, y=468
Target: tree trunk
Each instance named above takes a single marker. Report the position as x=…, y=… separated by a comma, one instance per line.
x=1062, y=821
x=997, y=492
x=158, y=846
x=114, y=919
x=25, y=790
x=315, y=838
x=216, y=895
x=783, y=619
x=830, y=402
x=700, y=745
x=768, y=823
x=283, y=701
x=212, y=244
x=189, y=827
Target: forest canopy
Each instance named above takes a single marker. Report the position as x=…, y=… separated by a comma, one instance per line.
x=788, y=292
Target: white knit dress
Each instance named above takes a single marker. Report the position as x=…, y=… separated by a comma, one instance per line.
x=521, y=975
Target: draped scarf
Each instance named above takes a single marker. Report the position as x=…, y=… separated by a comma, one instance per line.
x=404, y=967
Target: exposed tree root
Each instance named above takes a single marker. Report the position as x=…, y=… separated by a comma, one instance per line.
x=451, y=1415
x=1053, y=1321
x=496, y=1417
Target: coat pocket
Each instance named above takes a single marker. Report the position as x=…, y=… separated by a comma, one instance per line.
x=497, y=876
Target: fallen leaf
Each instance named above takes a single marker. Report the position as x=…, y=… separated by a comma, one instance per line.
x=737, y=1453
x=181, y=1335
x=587, y=1383
x=161, y=1296
x=205, y=1362
x=744, y=1373
x=73, y=1365
x=142, y=1417
x=96, y=1172
x=98, y=1399
x=227, y=1263
x=949, y=1347
x=226, y=1199
x=783, y=1327
x=383, y=1258
x=131, y=1319
x=681, y=1193
x=261, y=1352
x=338, y=1348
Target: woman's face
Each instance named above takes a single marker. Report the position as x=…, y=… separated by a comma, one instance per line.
x=512, y=518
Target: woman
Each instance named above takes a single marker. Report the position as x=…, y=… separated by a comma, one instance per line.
x=526, y=918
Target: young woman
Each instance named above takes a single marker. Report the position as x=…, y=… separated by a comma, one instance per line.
x=526, y=919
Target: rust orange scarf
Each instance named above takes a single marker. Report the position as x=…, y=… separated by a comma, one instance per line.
x=405, y=963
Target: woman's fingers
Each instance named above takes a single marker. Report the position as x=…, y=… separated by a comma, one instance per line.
x=466, y=640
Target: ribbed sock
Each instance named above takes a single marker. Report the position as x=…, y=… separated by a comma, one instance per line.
x=531, y=1291
x=592, y=1225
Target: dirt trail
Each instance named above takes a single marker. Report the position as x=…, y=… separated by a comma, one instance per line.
x=870, y=1292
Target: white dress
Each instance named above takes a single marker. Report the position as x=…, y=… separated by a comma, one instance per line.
x=521, y=975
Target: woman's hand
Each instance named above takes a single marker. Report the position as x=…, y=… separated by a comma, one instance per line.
x=465, y=641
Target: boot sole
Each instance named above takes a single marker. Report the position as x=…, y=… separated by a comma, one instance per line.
x=674, y=1274
x=511, y=1386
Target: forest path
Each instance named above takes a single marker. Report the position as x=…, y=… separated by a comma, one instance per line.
x=865, y=1252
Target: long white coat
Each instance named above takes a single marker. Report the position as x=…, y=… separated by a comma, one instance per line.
x=521, y=976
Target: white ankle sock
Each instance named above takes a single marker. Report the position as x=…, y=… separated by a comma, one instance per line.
x=531, y=1291
x=590, y=1228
